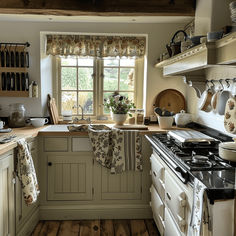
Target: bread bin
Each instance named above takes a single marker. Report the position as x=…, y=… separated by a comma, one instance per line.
x=227, y=151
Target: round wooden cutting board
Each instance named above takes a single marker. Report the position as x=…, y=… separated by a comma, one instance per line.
x=171, y=100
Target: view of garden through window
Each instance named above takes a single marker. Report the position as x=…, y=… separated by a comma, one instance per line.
x=78, y=77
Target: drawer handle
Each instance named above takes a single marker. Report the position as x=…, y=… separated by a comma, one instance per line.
x=168, y=195
x=154, y=174
x=49, y=163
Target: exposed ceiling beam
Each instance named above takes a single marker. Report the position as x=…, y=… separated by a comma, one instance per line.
x=100, y=7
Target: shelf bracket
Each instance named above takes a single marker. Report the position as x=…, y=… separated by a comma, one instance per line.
x=197, y=82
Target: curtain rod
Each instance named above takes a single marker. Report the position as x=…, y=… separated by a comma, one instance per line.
x=27, y=44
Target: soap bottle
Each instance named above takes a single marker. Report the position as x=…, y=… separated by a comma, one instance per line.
x=35, y=90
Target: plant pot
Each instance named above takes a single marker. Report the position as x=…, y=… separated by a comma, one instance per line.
x=119, y=118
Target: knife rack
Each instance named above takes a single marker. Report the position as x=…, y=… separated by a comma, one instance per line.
x=14, y=64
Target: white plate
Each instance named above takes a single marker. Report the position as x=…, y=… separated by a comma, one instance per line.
x=230, y=116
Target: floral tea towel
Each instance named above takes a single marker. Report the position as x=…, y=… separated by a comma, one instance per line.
x=26, y=173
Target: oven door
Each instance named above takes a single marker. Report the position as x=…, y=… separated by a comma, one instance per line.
x=176, y=200
x=170, y=227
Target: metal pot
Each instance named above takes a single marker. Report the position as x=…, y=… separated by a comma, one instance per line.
x=227, y=151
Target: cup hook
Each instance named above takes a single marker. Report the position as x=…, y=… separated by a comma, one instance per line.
x=221, y=84
x=227, y=82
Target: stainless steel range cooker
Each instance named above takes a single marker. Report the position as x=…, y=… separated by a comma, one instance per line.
x=178, y=158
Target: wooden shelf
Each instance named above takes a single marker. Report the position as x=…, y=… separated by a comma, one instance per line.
x=14, y=69
x=14, y=93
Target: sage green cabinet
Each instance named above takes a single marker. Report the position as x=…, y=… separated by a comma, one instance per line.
x=7, y=221
x=69, y=177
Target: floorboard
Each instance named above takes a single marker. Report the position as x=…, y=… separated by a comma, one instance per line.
x=145, y=227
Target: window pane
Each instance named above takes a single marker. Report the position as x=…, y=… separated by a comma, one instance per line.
x=126, y=79
x=110, y=79
x=68, y=78
x=68, y=61
x=106, y=96
x=130, y=95
x=68, y=100
x=127, y=62
x=86, y=101
x=111, y=62
x=85, y=78
x=85, y=62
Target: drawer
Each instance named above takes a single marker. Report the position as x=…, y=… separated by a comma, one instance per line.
x=157, y=209
x=175, y=200
x=171, y=228
x=81, y=145
x=158, y=176
x=56, y=144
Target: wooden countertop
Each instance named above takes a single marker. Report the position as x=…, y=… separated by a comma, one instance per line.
x=31, y=132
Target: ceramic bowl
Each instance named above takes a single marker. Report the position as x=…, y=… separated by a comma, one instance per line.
x=38, y=122
x=227, y=151
x=165, y=122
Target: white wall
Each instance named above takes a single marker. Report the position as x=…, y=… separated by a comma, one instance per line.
x=158, y=36
x=211, y=15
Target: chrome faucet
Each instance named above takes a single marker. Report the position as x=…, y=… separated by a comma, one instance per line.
x=82, y=110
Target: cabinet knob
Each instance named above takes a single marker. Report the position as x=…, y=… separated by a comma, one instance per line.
x=49, y=163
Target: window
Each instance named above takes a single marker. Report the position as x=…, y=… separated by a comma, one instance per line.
x=87, y=82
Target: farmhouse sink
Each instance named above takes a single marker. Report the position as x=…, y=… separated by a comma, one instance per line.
x=55, y=128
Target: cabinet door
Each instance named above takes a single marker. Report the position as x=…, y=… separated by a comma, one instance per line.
x=7, y=224
x=70, y=177
x=170, y=226
x=124, y=186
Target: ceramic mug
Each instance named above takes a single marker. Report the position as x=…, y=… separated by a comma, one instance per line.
x=38, y=122
x=2, y=123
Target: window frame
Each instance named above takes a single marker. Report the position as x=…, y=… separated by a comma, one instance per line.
x=98, y=85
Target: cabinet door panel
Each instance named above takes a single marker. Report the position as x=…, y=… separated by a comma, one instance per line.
x=124, y=186
x=70, y=177
x=7, y=196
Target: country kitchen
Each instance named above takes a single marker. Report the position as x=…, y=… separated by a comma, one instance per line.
x=117, y=118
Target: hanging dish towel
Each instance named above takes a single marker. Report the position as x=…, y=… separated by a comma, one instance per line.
x=26, y=173
x=116, y=149
x=197, y=208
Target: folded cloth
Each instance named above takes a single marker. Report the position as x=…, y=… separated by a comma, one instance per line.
x=116, y=149
x=26, y=173
x=77, y=128
x=197, y=208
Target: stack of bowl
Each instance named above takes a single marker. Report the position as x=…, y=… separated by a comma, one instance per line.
x=232, y=7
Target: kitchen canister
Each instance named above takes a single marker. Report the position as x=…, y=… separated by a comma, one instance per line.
x=17, y=115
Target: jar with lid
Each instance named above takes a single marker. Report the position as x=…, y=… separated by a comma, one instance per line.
x=140, y=116
x=132, y=118
x=17, y=115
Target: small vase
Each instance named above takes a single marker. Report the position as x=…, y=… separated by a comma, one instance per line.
x=119, y=118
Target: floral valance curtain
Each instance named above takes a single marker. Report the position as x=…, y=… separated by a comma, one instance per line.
x=95, y=46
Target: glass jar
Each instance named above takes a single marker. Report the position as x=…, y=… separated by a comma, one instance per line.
x=140, y=116
x=17, y=115
x=132, y=118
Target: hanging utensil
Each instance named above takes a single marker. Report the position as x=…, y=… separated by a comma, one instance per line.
x=22, y=59
x=26, y=58
x=17, y=62
x=204, y=102
x=4, y=82
x=2, y=57
x=7, y=54
x=8, y=81
x=12, y=56
x=13, y=82
x=18, y=81
x=23, y=84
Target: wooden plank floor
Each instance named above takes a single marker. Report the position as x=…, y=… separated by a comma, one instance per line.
x=96, y=228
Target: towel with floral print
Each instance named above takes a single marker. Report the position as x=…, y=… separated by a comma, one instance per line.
x=26, y=173
x=197, y=208
x=116, y=149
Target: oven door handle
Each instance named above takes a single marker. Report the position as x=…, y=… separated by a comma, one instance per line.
x=184, y=174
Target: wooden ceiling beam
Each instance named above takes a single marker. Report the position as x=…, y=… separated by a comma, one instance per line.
x=100, y=7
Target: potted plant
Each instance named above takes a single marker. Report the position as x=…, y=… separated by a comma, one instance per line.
x=119, y=107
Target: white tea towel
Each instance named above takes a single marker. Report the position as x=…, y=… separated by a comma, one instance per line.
x=26, y=172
